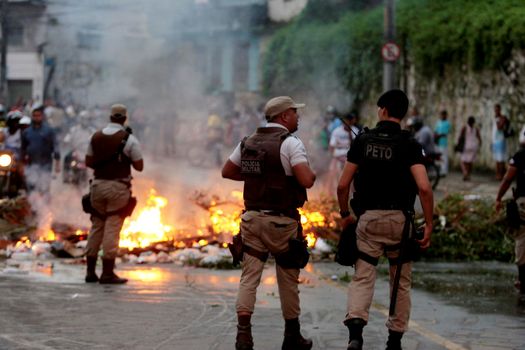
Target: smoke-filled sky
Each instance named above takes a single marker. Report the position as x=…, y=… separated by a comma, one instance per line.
x=155, y=57
x=142, y=53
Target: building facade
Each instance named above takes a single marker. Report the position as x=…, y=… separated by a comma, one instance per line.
x=26, y=35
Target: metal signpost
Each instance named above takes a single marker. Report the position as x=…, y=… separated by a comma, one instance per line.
x=390, y=50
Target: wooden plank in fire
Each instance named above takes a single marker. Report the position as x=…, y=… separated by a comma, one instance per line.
x=69, y=232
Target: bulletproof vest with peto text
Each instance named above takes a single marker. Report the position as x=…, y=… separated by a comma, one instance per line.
x=384, y=180
x=266, y=185
x=109, y=164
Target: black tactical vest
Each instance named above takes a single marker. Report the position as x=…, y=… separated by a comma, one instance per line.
x=383, y=179
x=519, y=163
x=266, y=185
x=108, y=164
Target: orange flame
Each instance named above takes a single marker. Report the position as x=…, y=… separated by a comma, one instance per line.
x=223, y=222
x=48, y=236
x=310, y=239
x=24, y=241
x=146, y=227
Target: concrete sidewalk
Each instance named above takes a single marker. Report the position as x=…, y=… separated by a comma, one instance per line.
x=482, y=184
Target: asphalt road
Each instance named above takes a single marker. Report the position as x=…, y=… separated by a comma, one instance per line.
x=173, y=307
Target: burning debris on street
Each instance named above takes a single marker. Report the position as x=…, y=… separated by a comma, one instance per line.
x=146, y=236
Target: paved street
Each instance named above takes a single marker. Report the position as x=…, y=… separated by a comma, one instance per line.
x=170, y=307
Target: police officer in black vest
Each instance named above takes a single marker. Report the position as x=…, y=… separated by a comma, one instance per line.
x=516, y=170
x=274, y=167
x=386, y=164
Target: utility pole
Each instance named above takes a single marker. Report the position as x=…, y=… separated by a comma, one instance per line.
x=389, y=65
x=3, y=51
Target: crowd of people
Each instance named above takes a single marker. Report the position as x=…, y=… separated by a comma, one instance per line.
x=377, y=172
x=437, y=141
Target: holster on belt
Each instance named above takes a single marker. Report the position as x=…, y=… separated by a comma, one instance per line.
x=347, y=252
x=297, y=255
x=123, y=212
x=238, y=248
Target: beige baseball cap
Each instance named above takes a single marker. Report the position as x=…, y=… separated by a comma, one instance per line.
x=280, y=104
x=119, y=110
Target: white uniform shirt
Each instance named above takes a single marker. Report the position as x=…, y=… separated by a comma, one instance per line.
x=292, y=152
x=132, y=147
x=13, y=141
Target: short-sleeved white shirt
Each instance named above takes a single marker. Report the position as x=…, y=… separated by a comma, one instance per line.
x=132, y=147
x=292, y=152
x=13, y=141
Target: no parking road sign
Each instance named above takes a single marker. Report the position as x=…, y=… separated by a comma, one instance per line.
x=390, y=52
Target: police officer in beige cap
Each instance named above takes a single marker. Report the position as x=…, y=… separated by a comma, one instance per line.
x=274, y=167
x=112, y=152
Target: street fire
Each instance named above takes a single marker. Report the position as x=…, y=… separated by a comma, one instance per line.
x=225, y=222
x=48, y=236
x=147, y=237
x=146, y=228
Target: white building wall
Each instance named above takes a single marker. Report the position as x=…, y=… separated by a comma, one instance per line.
x=285, y=10
x=27, y=66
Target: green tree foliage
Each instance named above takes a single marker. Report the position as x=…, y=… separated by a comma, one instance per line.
x=469, y=230
x=339, y=42
x=476, y=34
x=314, y=55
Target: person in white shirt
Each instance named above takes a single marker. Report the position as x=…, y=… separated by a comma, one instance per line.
x=340, y=142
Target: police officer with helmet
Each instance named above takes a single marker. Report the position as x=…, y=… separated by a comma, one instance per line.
x=274, y=167
x=386, y=164
x=111, y=153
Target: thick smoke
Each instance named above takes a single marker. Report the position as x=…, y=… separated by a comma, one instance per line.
x=150, y=56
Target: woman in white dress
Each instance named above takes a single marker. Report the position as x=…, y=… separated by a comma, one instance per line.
x=472, y=138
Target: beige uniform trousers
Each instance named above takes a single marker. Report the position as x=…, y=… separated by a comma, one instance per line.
x=376, y=230
x=519, y=238
x=267, y=233
x=106, y=196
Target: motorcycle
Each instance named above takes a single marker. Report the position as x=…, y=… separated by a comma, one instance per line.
x=75, y=170
x=11, y=181
x=432, y=166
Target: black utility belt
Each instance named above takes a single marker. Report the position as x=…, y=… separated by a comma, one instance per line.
x=274, y=212
x=125, y=182
x=384, y=207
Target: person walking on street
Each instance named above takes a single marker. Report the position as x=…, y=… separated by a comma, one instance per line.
x=39, y=151
x=471, y=145
x=340, y=142
x=423, y=135
x=112, y=152
x=499, y=143
x=387, y=164
x=516, y=171
x=274, y=167
x=441, y=132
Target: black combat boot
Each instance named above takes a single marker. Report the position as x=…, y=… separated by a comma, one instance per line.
x=293, y=340
x=355, y=330
x=394, y=340
x=91, y=264
x=108, y=276
x=521, y=271
x=244, y=340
